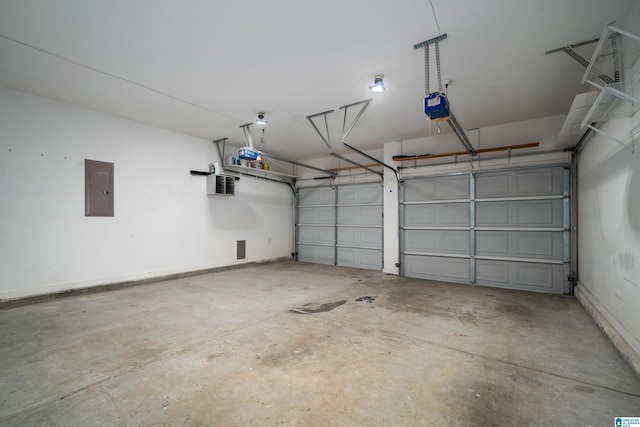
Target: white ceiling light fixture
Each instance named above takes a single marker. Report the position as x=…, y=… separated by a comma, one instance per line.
x=378, y=84
x=261, y=120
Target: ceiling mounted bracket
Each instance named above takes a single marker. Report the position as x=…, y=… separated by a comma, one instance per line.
x=326, y=138
x=217, y=144
x=582, y=61
x=346, y=131
x=609, y=89
x=364, y=104
x=445, y=111
x=247, y=135
x=425, y=44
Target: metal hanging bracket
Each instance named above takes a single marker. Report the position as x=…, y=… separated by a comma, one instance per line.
x=445, y=110
x=326, y=139
x=247, y=135
x=608, y=88
x=582, y=61
x=345, y=132
x=425, y=44
x=364, y=104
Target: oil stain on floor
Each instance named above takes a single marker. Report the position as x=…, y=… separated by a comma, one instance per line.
x=314, y=307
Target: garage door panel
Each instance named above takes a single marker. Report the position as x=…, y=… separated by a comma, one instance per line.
x=520, y=183
x=341, y=225
x=437, y=241
x=454, y=214
x=535, y=277
x=421, y=215
x=529, y=213
x=437, y=268
x=437, y=215
x=437, y=188
x=492, y=185
x=316, y=254
x=360, y=237
x=307, y=234
x=316, y=196
x=520, y=244
x=537, y=183
x=360, y=258
x=360, y=194
x=492, y=272
x=360, y=215
x=516, y=239
x=316, y=215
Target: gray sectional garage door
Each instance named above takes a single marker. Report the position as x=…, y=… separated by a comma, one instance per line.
x=506, y=228
x=340, y=225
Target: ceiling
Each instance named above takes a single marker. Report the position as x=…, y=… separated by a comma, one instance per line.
x=204, y=68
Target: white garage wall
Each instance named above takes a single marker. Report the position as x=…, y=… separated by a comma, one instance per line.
x=609, y=216
x=164, y=221
x=609, y=231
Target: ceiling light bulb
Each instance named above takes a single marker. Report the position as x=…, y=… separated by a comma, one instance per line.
x=378, y=84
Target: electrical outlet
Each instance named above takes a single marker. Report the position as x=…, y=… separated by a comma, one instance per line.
x=269, y=240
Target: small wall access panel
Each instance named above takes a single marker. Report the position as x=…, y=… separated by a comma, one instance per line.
x=241, y=250
x=98, y=188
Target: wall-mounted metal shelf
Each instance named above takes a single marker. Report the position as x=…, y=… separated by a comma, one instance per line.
x=258, y=172
x=603, y=58
x=265, y=173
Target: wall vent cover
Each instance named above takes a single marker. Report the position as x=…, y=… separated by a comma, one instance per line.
x=241, y=251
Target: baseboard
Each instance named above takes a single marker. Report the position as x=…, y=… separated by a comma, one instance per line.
x=624, y=349
x=107, y=287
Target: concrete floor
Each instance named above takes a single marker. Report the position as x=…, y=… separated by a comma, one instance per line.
x=274, y=344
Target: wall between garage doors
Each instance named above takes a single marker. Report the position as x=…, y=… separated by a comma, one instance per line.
x=164, y=221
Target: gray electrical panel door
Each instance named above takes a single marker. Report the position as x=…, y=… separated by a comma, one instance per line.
x=507, y=228
x=98, y=188
x=340, y=225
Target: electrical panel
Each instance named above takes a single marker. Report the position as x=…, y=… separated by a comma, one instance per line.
x=98, y=188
